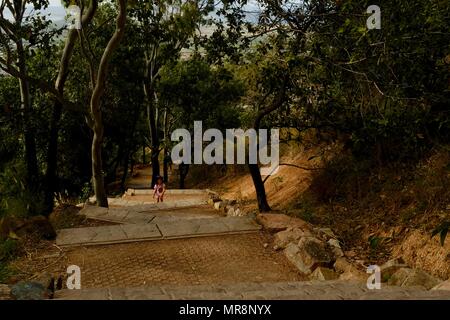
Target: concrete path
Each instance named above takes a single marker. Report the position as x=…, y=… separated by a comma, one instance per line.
x=142, y=214
x=162, y=228
x=169, y=269
x=185, y=215
x=305, y=290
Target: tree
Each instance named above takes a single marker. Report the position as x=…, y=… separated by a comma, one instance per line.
x=193, y=89
x=98, y=76
x=18, y=36
x=166, y=28
x=60, y=83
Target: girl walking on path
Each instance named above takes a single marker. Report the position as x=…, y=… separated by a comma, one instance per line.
x=159, y=189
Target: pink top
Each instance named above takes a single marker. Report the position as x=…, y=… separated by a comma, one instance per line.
x=159, y=189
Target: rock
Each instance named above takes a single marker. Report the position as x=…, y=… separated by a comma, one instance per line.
x=217, y=205
x=349, y=272
x=323, y=274
x=47, y=281
x=230, y=212
x=407, y=277
x=38, y=225
x=442, y=286
x=29, y=291
x=238, y=212
x=334, y=243
x=356, y=275
x=265, y=245
x=282, y=238
x=275, y=222
x=390, y=267
x=308, y=254
x=5, y=292
x=343, y=265
x=336, y=247
x=337, y=252
x=326, y=233
x=65, y=216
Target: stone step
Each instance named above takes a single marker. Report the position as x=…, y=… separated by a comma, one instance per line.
x=304, y=290
x=170, y=191
x=151, y=205
x=142, y=214
x=160, y=230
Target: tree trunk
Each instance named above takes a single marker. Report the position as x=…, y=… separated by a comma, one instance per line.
x=183, y=169
x=166, y=145
x=63, y=72
x=165, y=170
x=263, y=205
x=30, y=143
x=28, y=131
x=153, y=127
x=51, y=183
x=97, y=170
x=125, y=171
x=95, y=104
x=155, y=142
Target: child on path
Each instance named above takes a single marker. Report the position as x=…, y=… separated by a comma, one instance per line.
x=160, y=189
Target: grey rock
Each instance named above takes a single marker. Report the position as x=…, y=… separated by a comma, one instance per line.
x=349, y=272
x=323, y=274
x=308, y=254
x=30, y=291
x=283, y=238
x=407, y=277
x=442, y=286
x=390, y=267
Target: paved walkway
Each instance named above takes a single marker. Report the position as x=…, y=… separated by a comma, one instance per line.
x=160, y=229
x=305, y=290
x=204, y=260
x=208, y=256
x=185, y=215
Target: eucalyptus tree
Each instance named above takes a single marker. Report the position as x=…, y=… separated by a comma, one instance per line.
x=98, y=75
x=165, y=27
x=283, y=29
x=13, y=60
x=22, y=32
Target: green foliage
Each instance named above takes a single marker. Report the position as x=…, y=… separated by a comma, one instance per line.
x=195, y=90
x=8, y=249
x=5, y=272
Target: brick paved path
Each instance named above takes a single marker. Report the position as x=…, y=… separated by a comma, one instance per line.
x=239, y=266
x=205, y=260
x=306, y=290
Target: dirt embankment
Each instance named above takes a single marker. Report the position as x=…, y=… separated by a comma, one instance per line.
x=378, y=213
